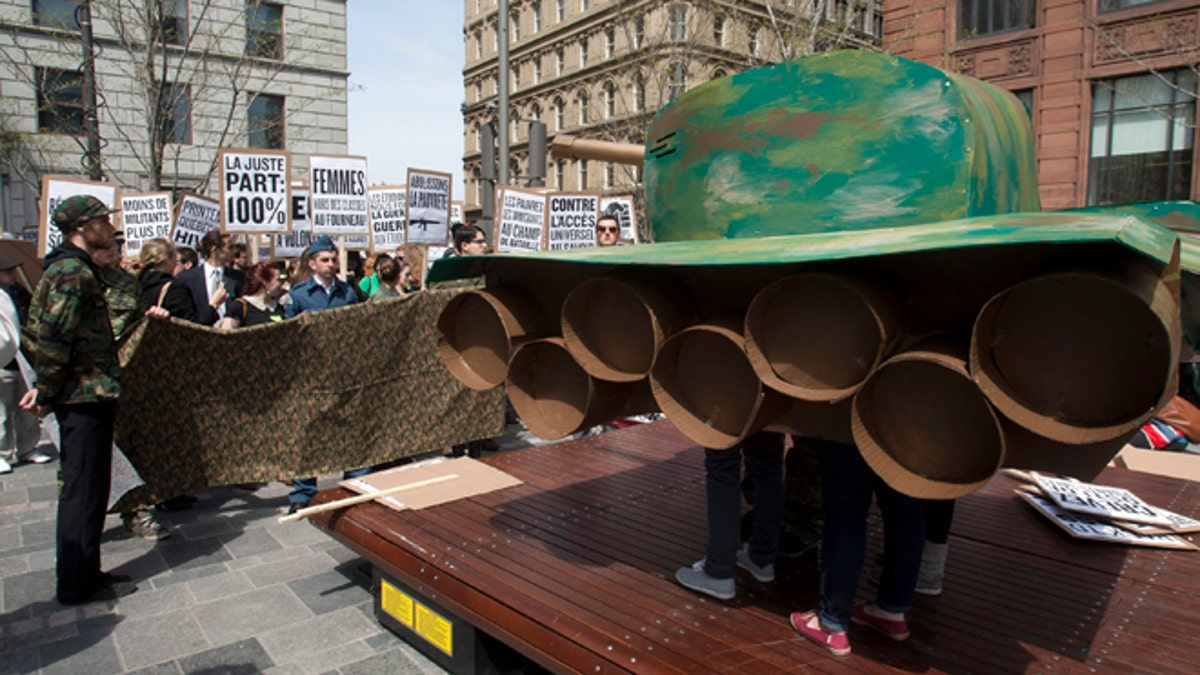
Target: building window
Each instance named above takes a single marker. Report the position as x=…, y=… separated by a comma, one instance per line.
x=516, y=130
x=610, y=42
x=639, y=93
x=175, y=113
x=676, y=80
x=537, y=16
x=558, y=114
x=56, y=13
x=1114, y=5
x=59, y=101
x=583, y=174
x=678, y=23
x=753, y=46
x=1025, y=96
x=516, y=78
x=559, y=173
x=266, y=122
x=537, y=71
x=583, y=5
x=496, y=38
x=610, y=101
x=478, y=91
x=609, y=175
x=264, y=30
x=478, y=45
x=1142, y=130
x=583, y=108
x=559, y=9
x=583, y=53
x=536, y=112
x=719, y=30
x=175, y=22
x=639, y=31
x=983, y=17
x=478, y=140
x=559, y=60
x=516, y=27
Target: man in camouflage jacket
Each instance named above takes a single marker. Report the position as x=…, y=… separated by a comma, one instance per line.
x=78, y=378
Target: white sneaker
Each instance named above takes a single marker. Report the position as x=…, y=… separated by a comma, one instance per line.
x=37, y=457
x=5, y=467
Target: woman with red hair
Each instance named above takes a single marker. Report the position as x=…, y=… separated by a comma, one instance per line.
x=259, y=303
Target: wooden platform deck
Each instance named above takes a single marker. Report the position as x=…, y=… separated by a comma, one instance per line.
x=575, y=569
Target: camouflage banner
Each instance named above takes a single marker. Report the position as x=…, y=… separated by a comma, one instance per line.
x=325, y=392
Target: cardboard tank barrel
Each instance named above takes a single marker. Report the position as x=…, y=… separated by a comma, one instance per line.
x=848, y=246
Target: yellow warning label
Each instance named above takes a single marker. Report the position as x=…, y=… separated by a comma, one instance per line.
x=397, y=603
x=437, y=630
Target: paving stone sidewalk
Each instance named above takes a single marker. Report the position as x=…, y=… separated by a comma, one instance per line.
x=232, y=591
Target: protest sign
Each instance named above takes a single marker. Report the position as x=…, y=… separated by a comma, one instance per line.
x=57, y=188
x=338, y=193
x=388, y=211
x=265, y=247
x=1084, y=526
x=458, y=211
x=520, y=220
x=293, y=245
x=428, y=206
x=254, y=190
x=145, y=216
x=1099, y=500
x=621, y=208
x=30, y=234
x=197, y=216
x=356, y=242
x=571, y=221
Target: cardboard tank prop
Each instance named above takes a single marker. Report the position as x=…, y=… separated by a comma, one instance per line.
x=848, y=246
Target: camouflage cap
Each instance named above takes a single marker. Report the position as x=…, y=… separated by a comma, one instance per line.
x=76, y=210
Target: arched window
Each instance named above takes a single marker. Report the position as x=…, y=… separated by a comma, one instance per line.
x=676, y=80
x=558, y=113
x=535, y=112
x=610, y=101
x=583, y=107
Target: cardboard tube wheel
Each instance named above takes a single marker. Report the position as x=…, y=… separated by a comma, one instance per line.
x=479, y=330
x=553, y=394
x=922, y=424
x=816, y=337
x=704, y=383
x=613, y=327
x=1078, y=357
x=1028, y=451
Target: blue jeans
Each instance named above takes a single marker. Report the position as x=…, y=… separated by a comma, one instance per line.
x=848, y=483
x=303, y=489
x=723, y=474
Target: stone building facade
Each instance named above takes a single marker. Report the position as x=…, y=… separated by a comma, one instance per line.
x=601, y=69
x=223, y=73
x=1110, y=84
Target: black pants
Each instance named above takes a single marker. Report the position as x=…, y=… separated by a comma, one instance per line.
x=86, y=458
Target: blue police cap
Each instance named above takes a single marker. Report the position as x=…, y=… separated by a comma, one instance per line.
x=322, y=243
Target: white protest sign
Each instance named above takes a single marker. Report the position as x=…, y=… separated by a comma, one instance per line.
x=520, y=220
x=571, y=221
x=254, y=190
x=356, y=242
x=387, y=216
x=428, y=207
x=1088, y=527
x=30, y=234
x=146, y=216
x=621, y=208
x=295, y=244
x=1099, y=500
x=57, y=188
x=338, y=193
x=264, y=247
x=197, y=216
x=457, y=213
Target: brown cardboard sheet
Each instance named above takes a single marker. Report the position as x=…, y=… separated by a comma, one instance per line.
x=473, y=478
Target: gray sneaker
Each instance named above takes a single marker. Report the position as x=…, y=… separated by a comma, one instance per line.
x=696, y=579
x=763, y=573
x=142, y=524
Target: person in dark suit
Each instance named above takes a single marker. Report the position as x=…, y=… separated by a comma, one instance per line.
x=209, y=282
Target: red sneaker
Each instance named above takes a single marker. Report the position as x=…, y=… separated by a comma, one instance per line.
x=896, y=630
x=809, y=625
